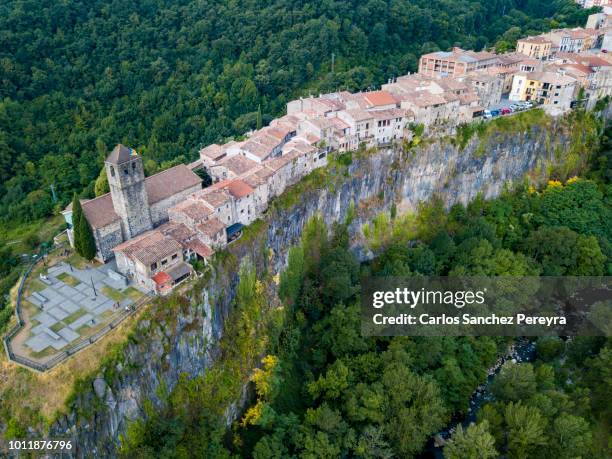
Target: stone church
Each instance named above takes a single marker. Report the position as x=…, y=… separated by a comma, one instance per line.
x=136, y=203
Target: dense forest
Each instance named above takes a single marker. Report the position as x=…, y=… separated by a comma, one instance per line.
x=168, y=76
x=324, y=390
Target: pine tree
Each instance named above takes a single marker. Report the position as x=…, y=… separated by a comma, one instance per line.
x=77, y=213
x=84, y=242
x=88, y=244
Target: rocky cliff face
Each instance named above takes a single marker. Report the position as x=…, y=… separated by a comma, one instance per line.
x=160, y=350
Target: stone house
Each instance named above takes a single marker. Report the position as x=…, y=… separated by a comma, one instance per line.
x=361, y=127
x=144, y=256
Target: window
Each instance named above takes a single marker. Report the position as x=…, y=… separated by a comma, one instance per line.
x=164, y=262
x=153, y=266
x=175, y=256
x=112, y=169
x=126, y=171
x=134, y=166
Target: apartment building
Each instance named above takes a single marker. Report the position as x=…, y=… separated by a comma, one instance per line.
x=534, y=47
x=546, y=88
x=456, y=62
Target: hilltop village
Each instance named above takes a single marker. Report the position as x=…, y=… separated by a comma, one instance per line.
x=154, y=226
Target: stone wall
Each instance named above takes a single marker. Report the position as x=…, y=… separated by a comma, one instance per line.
x=107, y=238
x=159, y=210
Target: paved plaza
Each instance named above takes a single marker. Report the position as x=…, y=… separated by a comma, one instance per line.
x=73, y=302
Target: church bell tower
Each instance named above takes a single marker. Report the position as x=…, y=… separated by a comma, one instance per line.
x=126, y=180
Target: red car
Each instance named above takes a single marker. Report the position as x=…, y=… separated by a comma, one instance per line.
x=506, y=111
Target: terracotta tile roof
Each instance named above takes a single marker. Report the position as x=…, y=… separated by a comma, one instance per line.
x=511, y=58
x=552, y=78
x=211, y=227
x=161, y=278
x=263, y=138
x=215, y=197
x=137, y=242
x=170, y=182
x=359, y=115
x=301, y=145
x=279, y=133
x=239, y=189
x=331, y=104
x=577, y=67
x=310, y=138
x=193, y=209
x=289, y=122
x=157, y=251
x=338, y=123
x=259, y=177
x=100, y=211
x=257, y=149
x=120, y=154
x=238, y=164
x=451, y=84
x=280, y=162
x=378, y=98
x=389, y=113
x=214, y=151
x=200, y=248
x=321, y=123
x=593, y=61
x=149, y=247
x=426, y=99
x=460, y=55
x=535, y=40
x=177, y=231
x=578, y=33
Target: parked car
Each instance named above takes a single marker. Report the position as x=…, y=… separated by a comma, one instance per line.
x=506, y=111
x=494, y=112
x=528, y=104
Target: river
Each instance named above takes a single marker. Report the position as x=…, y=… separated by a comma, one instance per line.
x=523, y=350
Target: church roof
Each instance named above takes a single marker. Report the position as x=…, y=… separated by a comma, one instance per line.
x=100, y=212
x=120, y=154
x=170, y=182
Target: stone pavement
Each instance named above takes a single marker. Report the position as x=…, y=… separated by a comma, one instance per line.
x=73, y=310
